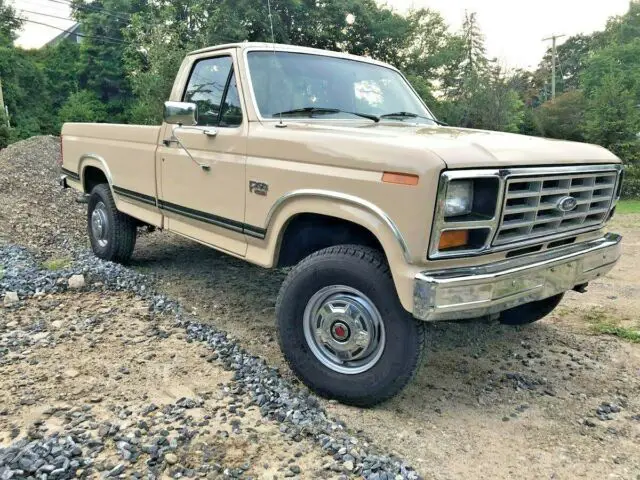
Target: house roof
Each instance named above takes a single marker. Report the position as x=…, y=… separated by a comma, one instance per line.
x=75, y=28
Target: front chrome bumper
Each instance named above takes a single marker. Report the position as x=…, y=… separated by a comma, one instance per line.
x=461, y=293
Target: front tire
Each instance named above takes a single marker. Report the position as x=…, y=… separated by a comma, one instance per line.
x=343, y=330
x=111, y=232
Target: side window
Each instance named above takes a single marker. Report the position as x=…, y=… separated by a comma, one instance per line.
x=231, y=110
x=206, y=88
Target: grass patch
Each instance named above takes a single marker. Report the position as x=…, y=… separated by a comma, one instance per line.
x=56, y=263
x=607, y=328
x=601, y=323
x=1, y=273
x=628, y=206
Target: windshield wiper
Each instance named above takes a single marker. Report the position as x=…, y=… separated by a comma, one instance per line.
x=321, y=110
x=413, y=115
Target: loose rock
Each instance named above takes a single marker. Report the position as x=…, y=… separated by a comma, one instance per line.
x=10, y=298
x=76, y=281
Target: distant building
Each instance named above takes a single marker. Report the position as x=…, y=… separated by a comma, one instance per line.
x=73, y=34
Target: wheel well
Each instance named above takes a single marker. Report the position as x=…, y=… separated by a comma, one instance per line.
x=93, y=176
x=307, y=233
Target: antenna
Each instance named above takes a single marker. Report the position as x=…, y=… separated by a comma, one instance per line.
x=273, y=37
x=273, y=44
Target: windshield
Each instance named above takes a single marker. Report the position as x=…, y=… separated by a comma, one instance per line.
x=302, y=85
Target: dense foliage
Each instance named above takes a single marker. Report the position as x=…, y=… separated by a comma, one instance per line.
x=124, y=67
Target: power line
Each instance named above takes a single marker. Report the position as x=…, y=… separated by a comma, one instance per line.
x=111, y=39
x=94, y=9
x=85, y=8
x=48, y=15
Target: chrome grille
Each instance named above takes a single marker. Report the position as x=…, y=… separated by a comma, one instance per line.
x=530, y=206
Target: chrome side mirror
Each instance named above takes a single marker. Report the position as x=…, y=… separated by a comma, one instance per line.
x=180, y=113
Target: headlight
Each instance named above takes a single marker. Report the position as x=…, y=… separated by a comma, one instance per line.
x=459, y=199
x=466, y=215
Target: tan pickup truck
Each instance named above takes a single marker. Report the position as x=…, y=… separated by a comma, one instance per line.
x=332, y=164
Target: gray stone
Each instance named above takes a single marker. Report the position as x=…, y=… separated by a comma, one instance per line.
x=295, y=469
x=10, y=298
x=77, y=282
x=117, y=470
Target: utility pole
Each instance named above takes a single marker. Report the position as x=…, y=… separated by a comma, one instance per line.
x=553, y=39
x=3, y=107
x=1, y=97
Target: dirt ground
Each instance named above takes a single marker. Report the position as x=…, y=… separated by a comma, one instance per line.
x=490, y=401
x=100, y=357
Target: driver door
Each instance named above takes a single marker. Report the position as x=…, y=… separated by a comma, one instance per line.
x=207, y=204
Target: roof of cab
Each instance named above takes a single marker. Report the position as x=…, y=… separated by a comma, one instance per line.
x=280, y=47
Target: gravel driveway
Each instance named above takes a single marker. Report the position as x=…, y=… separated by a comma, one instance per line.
x=559, y=399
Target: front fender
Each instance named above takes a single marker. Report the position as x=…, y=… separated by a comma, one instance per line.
x=346, y=207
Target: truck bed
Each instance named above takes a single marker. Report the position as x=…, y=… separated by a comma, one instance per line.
x=125, y=152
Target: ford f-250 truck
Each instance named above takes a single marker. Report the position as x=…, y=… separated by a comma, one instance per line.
x=332, y=164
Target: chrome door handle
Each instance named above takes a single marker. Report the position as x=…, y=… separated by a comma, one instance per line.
x=211, y=132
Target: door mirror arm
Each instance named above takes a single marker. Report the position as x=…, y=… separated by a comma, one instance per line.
x=174, y=138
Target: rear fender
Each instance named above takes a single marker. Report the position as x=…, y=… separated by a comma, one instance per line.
x=94, y=160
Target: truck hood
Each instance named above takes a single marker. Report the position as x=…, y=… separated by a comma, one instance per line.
x=466, y=148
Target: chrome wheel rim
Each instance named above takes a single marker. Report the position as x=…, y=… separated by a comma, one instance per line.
x=344, y=329
x=100, y=224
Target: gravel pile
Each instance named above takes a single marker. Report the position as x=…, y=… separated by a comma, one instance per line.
x=54, y=457
x=299, y=413
x=23, y=274
x=34, y=210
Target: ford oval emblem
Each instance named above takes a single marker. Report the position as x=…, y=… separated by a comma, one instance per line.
x=566, y=204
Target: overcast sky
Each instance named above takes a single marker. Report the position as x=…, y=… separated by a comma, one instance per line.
x=514, y=29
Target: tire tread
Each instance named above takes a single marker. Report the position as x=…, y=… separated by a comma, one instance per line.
x=124, y=226
x=379, y=262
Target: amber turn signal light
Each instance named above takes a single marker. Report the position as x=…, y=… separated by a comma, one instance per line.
x=400, y=178
x=453, y=239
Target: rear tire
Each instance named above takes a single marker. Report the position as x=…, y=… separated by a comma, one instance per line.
x=530, y=312
x=112, y=233
x=343, y=330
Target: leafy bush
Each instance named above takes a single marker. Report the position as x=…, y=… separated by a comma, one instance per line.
x=4, y=131
x=562, y=117
x=629, y=152
x=83, y=106
x=631, y=183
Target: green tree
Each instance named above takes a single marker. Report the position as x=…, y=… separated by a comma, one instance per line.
x=101, y=61
x=611, y=83
x=623, y=28
x=478, y=93
x=470, y=67
x=10, y=23
x=612, y=118
x=431, y=50
x=25, y=93
x=61, y=68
